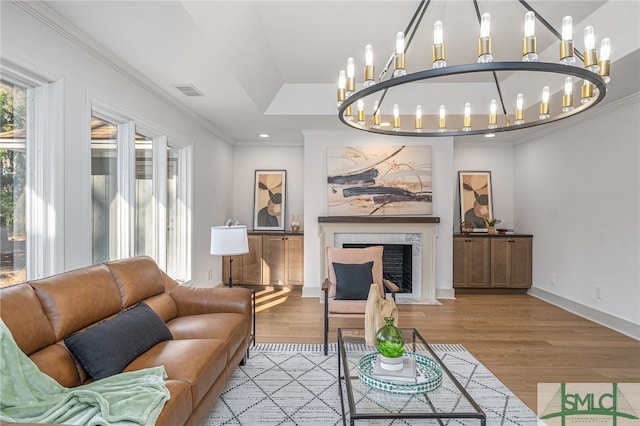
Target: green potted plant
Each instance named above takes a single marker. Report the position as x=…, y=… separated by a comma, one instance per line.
x=491, y=224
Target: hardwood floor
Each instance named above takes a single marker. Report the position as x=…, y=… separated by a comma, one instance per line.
x=521, y=339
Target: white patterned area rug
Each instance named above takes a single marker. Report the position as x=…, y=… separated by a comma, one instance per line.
x=287, y=384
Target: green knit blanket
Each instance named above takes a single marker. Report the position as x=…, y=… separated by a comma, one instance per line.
x=27, y=395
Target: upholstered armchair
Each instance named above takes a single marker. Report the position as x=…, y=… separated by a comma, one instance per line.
x=351, y=271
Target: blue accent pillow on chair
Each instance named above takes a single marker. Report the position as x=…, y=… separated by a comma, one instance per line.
x=107, y=348
x=353, y=280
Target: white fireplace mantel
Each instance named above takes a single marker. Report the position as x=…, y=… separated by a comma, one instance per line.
x=426, y=227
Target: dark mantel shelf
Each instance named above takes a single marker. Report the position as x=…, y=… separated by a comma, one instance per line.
x=378, y=219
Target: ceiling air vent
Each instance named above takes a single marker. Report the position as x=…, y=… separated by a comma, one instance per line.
x=188, y=89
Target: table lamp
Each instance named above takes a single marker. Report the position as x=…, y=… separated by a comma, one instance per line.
x=229, y=241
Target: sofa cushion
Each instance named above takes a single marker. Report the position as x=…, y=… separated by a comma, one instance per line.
x=137, y=277
x=107, y=348
x=76, y=299
x=22, y=312
x=178, y=408
x=199, y=362
x=353, y=280
x=231, y=328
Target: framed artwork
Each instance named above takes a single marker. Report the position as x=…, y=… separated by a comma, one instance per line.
x=476, y=201
x=379, y=180
x=269, y=200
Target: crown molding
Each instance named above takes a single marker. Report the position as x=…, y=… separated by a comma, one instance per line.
x=62, y=26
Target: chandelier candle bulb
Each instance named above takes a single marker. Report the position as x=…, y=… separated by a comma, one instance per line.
x=484, y=42
x=396, y=118
x=467, y=117
x=605, y=59
x=377, y=118
x=587, y=92
x=418, y=119
x=566, y=44
x=349, y=113
x=361, y=115
x=351, y=77
x=398, y=64
x=493, y=114
x=442, y=121
x=438, y=46
x=519, y=109
x=342, y=86
x=544, y=105
x=590, y=56
x=368, y=66
x=529, y=41
x=567, y=98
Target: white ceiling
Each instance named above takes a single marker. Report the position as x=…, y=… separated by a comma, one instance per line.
x=272, y=66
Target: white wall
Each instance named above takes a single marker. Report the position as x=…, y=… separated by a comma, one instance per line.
x=578, y=192
x=248, y=159
x=496, y=158
x=315, y=200
x=84, y=75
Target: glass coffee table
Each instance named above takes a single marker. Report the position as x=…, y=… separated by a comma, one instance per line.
x=445, y=399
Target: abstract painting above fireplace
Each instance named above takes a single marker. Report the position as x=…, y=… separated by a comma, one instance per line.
x=379, y=180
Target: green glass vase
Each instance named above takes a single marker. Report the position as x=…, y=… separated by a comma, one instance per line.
x=390, y=340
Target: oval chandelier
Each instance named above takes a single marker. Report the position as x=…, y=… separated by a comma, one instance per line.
x=368, y=107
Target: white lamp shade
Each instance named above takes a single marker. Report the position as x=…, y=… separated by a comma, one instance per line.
x=229, y=240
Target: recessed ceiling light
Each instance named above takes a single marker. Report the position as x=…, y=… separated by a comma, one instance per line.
x=489, y=135
x=385, y=124
x=264, y=135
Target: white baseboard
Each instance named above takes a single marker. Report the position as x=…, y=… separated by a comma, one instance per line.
x=620, y=325
x=311, y=291
x=445, y=293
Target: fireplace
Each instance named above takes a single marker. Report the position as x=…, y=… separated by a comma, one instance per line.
x=396, y=263
x=417, y=232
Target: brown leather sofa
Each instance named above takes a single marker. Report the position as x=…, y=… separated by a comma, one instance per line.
x=211, y=328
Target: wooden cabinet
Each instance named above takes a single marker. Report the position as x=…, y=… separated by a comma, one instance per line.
x=511, y=262
x=294, y=261
x=500, y=262
x=283, y=259
x=470, y=262
x=273, y=259
x=247, y=268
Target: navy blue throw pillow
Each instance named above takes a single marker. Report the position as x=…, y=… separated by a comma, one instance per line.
x=107, y=348
x=353, y=280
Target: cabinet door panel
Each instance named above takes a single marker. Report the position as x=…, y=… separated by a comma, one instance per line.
x=459, y=262
x=252, y=261
x=520, y=263
x=295, y=260
x=470, y=262
x=478, y=262
x=500, y=262
x=273, y=256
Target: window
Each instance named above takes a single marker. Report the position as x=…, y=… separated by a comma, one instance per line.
x=140, y=193
x=104, y=189
x=31, y=179
x=13, y=176
x=175, y=215
x=145, y=228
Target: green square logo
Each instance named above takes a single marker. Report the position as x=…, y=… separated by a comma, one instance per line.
x=564, y=404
